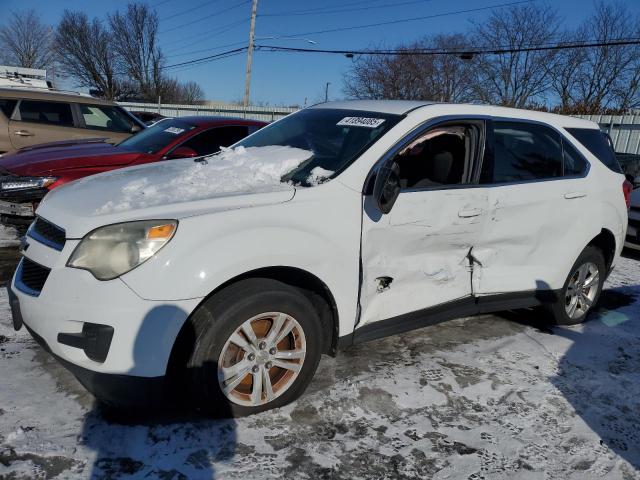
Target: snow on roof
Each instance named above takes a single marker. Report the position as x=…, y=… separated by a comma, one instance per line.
x=231, y=172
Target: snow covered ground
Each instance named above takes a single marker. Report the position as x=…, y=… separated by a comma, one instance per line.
x=478, y=398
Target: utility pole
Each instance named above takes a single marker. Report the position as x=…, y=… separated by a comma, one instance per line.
x=326, y=92
x=252, y=31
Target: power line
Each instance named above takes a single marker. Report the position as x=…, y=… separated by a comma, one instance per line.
x=342, y=10
x=220, y=12
x=460, y=51
x=403, y=20
x=219, y=31
x=310, y=10
x=210, y=49
x=184, y=12
x=188, y=67
x=206, y=59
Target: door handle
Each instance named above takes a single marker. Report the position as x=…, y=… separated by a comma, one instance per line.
x=23, y=133
x=572, y=195
x=474, y=212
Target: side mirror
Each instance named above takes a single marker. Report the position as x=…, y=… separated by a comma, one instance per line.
x=387, y=187
x=135, y=128
x=183, y=152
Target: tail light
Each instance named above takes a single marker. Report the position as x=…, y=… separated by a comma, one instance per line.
x=627, y=188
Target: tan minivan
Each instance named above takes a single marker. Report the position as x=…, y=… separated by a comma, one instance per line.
x=30, y=117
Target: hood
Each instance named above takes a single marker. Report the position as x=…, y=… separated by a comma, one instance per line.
x=174, y=189
x=51, y=159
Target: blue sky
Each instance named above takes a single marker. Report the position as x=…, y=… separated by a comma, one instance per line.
x=214, y=26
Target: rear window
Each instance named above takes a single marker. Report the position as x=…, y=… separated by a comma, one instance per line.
x=158, y=136
x=53, y=113
x=7, y=106
x=598, y=144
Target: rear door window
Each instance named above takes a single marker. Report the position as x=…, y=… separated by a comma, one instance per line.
x=598, y=144
x=7, y=105
x=101, y=117
x=52, y=113
x=523, y=152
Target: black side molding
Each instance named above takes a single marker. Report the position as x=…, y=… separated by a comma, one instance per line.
x=463, y=307
x=95, y=340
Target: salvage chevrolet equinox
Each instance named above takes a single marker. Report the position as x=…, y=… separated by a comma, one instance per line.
x=230, y=275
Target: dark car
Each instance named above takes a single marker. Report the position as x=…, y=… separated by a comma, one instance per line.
x=148, y=118
x=27, y=175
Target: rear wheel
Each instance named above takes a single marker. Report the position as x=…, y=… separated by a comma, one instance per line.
x=257, y=346
x=582, y=288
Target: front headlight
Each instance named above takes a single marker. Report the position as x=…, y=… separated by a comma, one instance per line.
x=114, y=250
x=18, y=183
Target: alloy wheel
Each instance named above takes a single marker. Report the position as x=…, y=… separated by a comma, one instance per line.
x=582, y=290
x=261, y=359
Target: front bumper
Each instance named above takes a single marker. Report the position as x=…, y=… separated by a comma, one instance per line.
x=113, y=389
x=17, y=206
x=143, y=331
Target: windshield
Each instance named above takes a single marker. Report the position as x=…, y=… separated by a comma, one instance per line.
x=336, y=138
x=158, y=136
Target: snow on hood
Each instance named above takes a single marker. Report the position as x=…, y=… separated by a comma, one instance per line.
x=234, y=178
x=231, y=172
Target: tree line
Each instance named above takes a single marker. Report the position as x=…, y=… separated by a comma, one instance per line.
x=117, y=58
x=602, y=79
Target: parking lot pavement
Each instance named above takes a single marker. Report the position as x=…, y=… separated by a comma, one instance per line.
x=479, y=398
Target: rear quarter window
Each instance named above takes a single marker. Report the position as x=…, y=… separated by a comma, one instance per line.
x=597, y=143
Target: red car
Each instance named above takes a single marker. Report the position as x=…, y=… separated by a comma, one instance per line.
x=28, y=174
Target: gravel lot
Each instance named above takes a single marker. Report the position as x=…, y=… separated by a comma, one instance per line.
x=485, y=397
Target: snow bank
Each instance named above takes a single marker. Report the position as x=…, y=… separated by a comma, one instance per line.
x=230, y=172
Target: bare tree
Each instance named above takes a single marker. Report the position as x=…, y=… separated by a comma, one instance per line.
x=411, y=74
x=26, y=41
x=564, y=74
x=135, y=42
x=191, y=93
x=515, y=78
x=604, y=77
x=86, y=53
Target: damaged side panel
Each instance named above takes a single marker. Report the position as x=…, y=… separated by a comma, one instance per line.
x=417, y=256
x=532, y=236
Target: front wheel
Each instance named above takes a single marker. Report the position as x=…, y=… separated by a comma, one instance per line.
x=257, y=346
x=582, y=288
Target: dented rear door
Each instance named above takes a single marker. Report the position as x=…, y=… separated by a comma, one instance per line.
x=537, y=213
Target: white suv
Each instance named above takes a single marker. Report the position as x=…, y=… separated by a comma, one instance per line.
x=339, y=224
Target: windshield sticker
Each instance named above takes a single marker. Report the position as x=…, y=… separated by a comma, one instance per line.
x=174, y=130
x=360, y=122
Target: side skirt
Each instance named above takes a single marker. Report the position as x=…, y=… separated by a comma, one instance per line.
x=463, y=307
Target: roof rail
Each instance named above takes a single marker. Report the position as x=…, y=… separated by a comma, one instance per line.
x=44, y=89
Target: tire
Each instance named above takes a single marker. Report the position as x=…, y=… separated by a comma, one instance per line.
x=263, y=304
x=589, y=260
